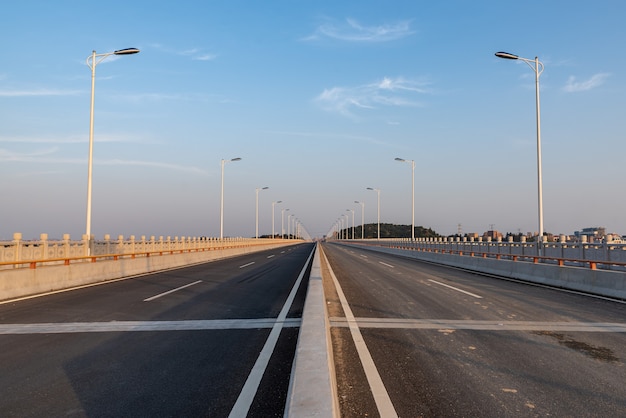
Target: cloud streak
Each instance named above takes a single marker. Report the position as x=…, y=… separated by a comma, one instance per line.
x=39, y=93
x=46, y=156
x=389, y=92
x=352, y=31
x=195, y=54
x=574, y=86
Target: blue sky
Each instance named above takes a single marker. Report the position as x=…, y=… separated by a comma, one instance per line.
x=317, y=98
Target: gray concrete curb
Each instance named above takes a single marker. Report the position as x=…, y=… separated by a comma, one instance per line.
x=312, y=388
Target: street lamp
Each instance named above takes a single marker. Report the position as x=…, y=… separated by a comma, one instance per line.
x=282, y=223
x=352, y=210
x=92, y=61
x=537, y=67
x=273, y=206
x=362, y=218
x=257, y=209
x=412, y=162
x=222, y=197
x=377, y=191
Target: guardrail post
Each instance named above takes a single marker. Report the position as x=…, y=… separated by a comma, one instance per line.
x=120, y=244
x=107, y=243
x=86, y=244
x=44, y=246
x=66, y=246
x=17, y=245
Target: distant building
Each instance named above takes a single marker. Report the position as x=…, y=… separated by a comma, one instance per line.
x=493, y=234
x=614, y=238
x=592, y=234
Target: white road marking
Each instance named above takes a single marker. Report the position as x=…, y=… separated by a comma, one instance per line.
x=246, y=265
x=171, y=291
x=480, y=325
x=456, y=288
x=270, y=256
x=363, y=255
x=132, y=326
x=244, y=401
x=381, y=396
x=385, y=264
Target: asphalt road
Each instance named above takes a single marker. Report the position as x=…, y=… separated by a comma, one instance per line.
x=412, y=339
x=206, y=340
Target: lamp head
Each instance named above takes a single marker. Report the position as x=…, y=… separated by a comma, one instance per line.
x=506, y=55
x=126, y=51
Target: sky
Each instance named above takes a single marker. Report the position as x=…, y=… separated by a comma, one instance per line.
x=317, y=98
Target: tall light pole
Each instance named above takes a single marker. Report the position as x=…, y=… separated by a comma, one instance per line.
x=412, y=162
x=92, y=61
x=222, y=197
x=282, y=223
x=377, y=191
x=537, y=67
x=257, y=209
x=352, y=210
x=362, y=218
x=273, y=206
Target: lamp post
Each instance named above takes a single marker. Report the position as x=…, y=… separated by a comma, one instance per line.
x=377, y=191
x=362, y=218
x=352, y=210
x=222, y=197
x=92, y=61
x=282, y=223
x=537, y=67
x=257, y=209
x=273, y=206
x=412, y=162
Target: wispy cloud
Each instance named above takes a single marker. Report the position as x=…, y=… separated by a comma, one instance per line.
x=195, y=54
x=398, y=92
x=573, y=85
x=167, y=166
x=331, y=136
x=74, y=139
x=353, y=31
x=6, y=155
x=47, y=156
x=39, y=93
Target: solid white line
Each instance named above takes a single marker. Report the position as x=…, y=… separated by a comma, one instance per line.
x=246, y=265
x=385, y=264
x=381, y=397
x=133, y=326
x=481, y=325
x=244, y=401
x=171, y=291
x=455, y=288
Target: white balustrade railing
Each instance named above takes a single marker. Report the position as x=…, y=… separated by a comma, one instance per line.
x=19, y=250
x=609, y=252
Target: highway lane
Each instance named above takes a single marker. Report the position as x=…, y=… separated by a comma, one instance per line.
x=413, y=339
x=207, y=340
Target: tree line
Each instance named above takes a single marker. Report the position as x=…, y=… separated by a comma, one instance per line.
x=388, y=231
